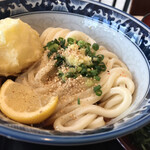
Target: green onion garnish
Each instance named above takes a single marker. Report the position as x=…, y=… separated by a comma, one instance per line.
x=90, y=71
x=60, y=74
x=51, y=52
x=79, y=69
x=78, y=101
x=95, y=46
x=70, y=41
x=62, y=42
x=97, y=78
x=81, y=44
x=71, y=75
x=97, y=90
x=60, y=59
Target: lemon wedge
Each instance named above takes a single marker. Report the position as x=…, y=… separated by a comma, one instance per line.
x=22, y=104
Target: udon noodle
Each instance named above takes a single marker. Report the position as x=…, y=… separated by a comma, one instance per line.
x=79, y=107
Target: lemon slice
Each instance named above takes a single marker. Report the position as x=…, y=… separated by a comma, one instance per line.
x=21, y=103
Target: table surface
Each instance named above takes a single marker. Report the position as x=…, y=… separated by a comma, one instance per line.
x=9, y=144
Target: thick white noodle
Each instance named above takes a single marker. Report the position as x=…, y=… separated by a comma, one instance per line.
x=116, y=82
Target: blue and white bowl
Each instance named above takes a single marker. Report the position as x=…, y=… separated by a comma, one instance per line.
x=118, y=32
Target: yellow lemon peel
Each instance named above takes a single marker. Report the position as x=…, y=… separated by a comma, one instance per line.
x=22, y=104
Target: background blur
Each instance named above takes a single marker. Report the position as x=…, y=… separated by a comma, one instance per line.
x=133, y=7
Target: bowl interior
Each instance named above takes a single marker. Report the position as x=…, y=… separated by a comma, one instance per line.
x=103, y=34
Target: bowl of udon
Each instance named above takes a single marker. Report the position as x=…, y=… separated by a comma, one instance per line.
x=72, y=72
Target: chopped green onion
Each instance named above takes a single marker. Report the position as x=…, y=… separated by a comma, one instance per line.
x=81, y=44
x=97, y=59
x=56, y=41
x=99, y=93
x=98, y=68
x=94, y=72
x=64, y=78
x=60, y=74
x=88, y=52
x=71, y=75
x=60, y=59
x=101, y=57
x=103, y=66
x=79, y=69
x=70, y=41
x=56, y=46
x=91, y=71
x=88, y=69
x=51, y=52
x=97, y=78
x=62, y=42
x=49, y=44
x=78, y=101
x=87, y=44
x=97, y=90
x=95, y=46
x=84, y=72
